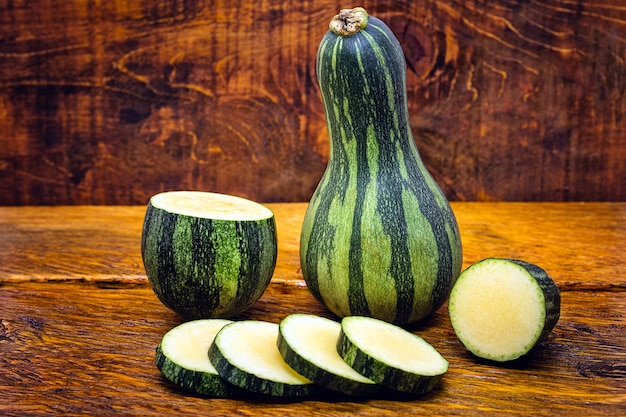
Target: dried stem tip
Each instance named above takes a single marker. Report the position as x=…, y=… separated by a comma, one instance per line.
x=349, y=21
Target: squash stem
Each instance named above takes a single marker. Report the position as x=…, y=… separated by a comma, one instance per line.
x=349, y=21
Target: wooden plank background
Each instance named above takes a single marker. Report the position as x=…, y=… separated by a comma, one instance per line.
x=111, y=102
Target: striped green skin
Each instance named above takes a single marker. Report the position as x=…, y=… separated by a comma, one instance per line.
x=194, y=381
x=206, y=268
x=379, y=238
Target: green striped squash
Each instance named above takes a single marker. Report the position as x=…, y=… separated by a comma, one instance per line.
x=379, y=238
x=208, y=255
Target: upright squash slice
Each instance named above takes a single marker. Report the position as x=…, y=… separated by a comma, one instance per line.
x=379, y=238
x=501, y=308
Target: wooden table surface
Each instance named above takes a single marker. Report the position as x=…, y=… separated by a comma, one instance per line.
x=79, y=322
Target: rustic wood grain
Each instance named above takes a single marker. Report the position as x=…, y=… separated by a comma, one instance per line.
x=111, y=102
x=79, y=322
x=75, y=349
x=580, y=244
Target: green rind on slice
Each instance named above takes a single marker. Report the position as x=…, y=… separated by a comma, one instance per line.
x=390, y=355
x=501, y=308
x=246, y=355
x=182, y=357
x=308, y=344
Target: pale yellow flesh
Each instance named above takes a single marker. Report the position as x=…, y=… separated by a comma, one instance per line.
x=251, y=347
x=394, y=346
x=188, y=344
x=210, y=206
x=315, y=340
x=497, y=310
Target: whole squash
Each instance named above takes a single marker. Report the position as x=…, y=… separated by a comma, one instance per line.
x=379, y=238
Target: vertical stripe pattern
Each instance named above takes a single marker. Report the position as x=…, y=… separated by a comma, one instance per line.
x=205, y=268
x=379, y=237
